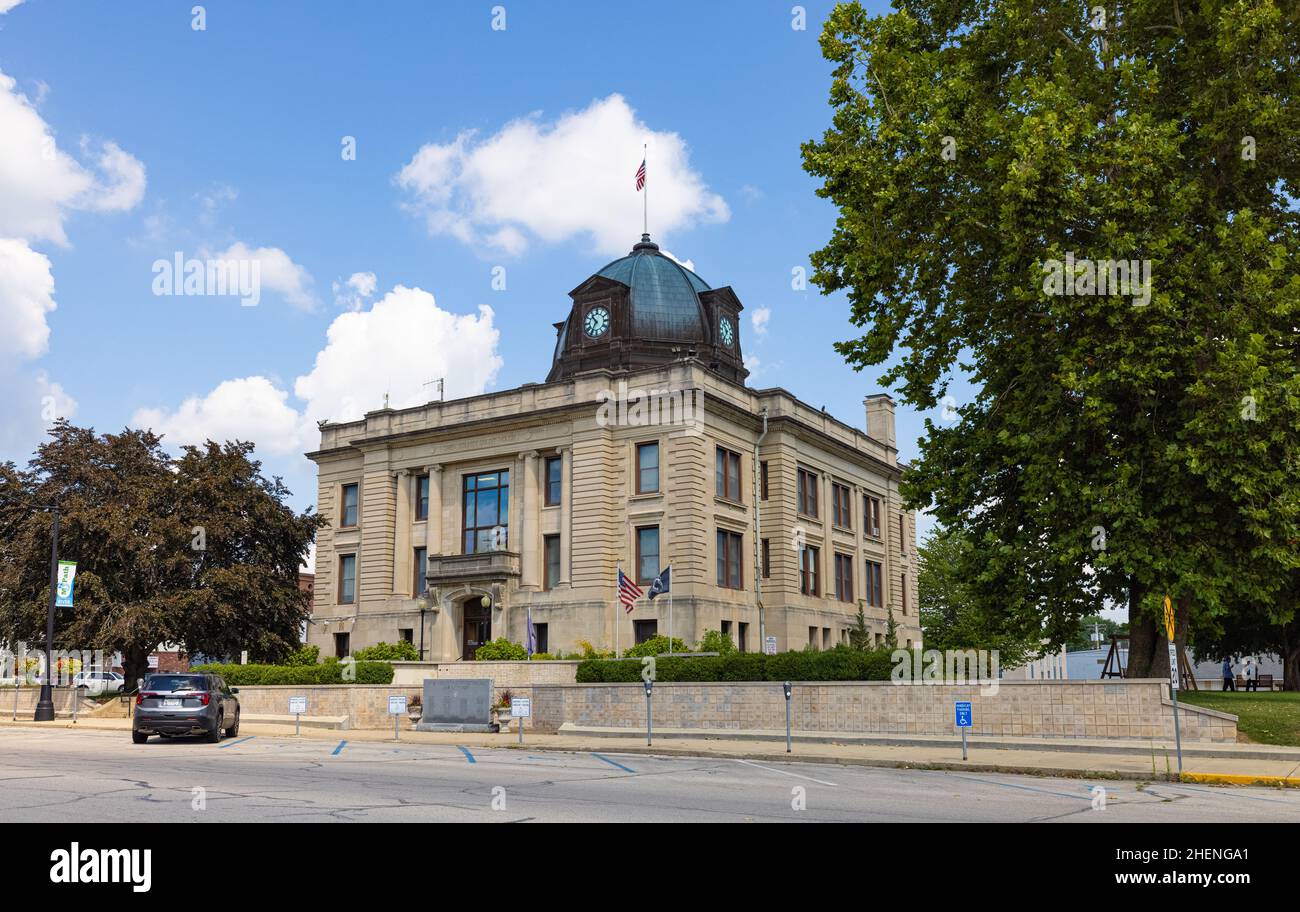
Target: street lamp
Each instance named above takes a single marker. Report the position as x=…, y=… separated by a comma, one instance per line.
x=45, y=704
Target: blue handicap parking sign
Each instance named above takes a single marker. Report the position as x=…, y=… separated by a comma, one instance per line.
x=963, y=712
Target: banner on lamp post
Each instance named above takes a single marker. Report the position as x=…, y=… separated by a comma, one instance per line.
x=67, y=574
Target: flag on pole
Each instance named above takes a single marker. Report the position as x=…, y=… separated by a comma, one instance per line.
x=532, y=633
x=628, y=591
x=663, y=583
x=640, y=175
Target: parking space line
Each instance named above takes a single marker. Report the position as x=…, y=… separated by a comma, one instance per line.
x=626, y=769
x=468, y=755
x=335, y=752
x=240, y=741
x=771, y=769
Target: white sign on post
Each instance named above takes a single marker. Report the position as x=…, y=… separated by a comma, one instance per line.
x=1173, y=666
x=521, y=707
x=397, y=705
x=769, y=646
x=297, y=706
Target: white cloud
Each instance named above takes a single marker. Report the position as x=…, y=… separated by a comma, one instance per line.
x=353, y=293
x=40, y=183
x=30, y=404
x=759, y=318
x=7, y=5
x=250, y=408
x=403, y=341
x=26, y=296
x=689, y=264
x=558, y=180
x=276, y=271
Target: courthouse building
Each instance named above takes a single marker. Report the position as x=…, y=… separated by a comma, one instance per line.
x=451, y=522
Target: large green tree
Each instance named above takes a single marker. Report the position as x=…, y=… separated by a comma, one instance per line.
x=1118, y=448
x=198, y=550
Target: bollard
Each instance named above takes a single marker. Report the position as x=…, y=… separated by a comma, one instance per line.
x=787, y=688
x=649, y=685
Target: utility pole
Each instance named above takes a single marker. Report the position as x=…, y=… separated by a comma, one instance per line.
x=45, y=703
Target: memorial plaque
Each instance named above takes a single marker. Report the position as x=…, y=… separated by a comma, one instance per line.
x=457, y=705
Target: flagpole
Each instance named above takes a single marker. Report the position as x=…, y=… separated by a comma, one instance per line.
x=645, y=199
x=670, y=609
x=617, y=602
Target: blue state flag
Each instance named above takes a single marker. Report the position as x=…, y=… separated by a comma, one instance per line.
x=663, y=583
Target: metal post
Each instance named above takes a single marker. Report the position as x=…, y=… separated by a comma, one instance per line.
x=521, y=731
x=963, y=743
x=18, y=684
x=397, y=731
x=1173, y=689
x=647, y=717
x=787, y=716
x=76, y=699
x=45, y=705
x=297, y=724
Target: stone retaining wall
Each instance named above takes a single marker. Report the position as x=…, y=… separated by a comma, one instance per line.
x=1136, y=709
x=365, y=705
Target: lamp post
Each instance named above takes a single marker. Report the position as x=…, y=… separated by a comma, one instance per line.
x=45, y=703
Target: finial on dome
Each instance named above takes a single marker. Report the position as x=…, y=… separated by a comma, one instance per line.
x=645, y=243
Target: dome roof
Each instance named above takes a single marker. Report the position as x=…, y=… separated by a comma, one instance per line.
x=665, y=300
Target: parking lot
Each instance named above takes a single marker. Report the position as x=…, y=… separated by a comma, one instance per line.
x=60, y=774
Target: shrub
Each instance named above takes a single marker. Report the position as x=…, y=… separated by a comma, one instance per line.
x=401, y=651
x=656, y=645
x=305, y=655
x=839, y=664
x=501, y=650
x=716, y=641
x=325, y=673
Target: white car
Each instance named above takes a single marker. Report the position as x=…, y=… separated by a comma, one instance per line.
x=98, y=682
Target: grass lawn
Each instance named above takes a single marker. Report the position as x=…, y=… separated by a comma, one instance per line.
x=1266, y=718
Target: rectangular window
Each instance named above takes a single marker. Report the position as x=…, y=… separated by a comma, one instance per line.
x=487, y=512
x=729, y=559
x=742, y=637
x=841, y=506
x=762, y=480
x=542, y=636
x=844, y=577
x=342, y=645
x=554, y=480
x=407, y=634
x=727, y=472
x=826, y=638
x=807, y=493
x=644, y=630
x=348, y=515
x=421, y=563
x=647, y=468
x=767, y=558
x=421, y=498
x=874, y=585
x=812, y=637
x=871, y=515
x=808, y=561
x=726, y=629
x=347, y=579
x=904, y=594
x=647, y=554
x=902, y=533
x=551, y=552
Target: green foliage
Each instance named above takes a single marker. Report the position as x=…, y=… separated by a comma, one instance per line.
x=842, y=663
x=1114, y=448
x=1081, y=637
x=401, y=651
x=306, y=655
x=656, y=645
x=860, y=635
x=716, y=641
x=501, y=650
x=325, y=673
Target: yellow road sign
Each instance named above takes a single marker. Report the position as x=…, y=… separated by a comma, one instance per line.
x=1169, y=619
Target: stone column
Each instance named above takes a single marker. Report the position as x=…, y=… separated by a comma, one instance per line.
x=529, y=546
x=566, y=517
x=433, y=529
x=403, y=572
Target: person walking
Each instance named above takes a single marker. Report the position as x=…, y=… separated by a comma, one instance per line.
x=1229, y=681
x=1251, y=673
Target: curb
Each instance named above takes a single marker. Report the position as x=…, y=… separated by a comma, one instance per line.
x=1238, y=779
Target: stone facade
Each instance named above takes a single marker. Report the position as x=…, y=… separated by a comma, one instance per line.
x=568, y=427
x=1138, y=709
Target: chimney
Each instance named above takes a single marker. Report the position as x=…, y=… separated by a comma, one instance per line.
x=880, y=419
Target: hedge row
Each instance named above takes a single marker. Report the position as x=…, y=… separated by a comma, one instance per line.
x=838, y=664
x=328, y=673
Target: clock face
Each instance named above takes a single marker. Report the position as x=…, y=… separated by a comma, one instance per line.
x=726, y=331
x=596, y=322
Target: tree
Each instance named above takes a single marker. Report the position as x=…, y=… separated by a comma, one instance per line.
x=991, y=163
x=199, y=550
x=1082, y=636
x=1270, y=628
x=949, y=619
x=860, y=634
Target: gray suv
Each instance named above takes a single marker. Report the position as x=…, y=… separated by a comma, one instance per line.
x=185, y=704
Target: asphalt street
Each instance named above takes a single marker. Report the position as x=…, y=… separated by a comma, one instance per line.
x=98, y=776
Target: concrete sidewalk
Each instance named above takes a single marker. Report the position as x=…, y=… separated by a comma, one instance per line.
x=1271, y=766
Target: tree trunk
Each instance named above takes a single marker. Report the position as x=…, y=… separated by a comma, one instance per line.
x=1142, y=638
x=135, y=664
x=1290, y=664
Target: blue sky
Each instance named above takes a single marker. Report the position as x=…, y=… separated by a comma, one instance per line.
x=476, y=148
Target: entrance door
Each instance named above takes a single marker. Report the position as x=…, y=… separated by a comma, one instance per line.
x=477, y=629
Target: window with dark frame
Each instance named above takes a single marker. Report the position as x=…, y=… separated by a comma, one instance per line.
x=486, y=506
x=647, y=468
x=844, y=577
x=808, y=493
x=730, y=559
x=348, y=511
x=903, y=593
x=644, y=630
x=727, y=472
x=554, y=480
x=767, y=558
x=420, y=584
x=421, y=497
x=647, y=554
x=808, y=561
x=342, y=645
x=871, y=515
x=762, y=479
x=842, y=506
x=874, y=585
x=347, y=579
x=902, y=533
x=551, y=552
x=542, y=638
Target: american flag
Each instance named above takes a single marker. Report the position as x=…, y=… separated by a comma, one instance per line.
x=628, y=591
x=640, y=175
